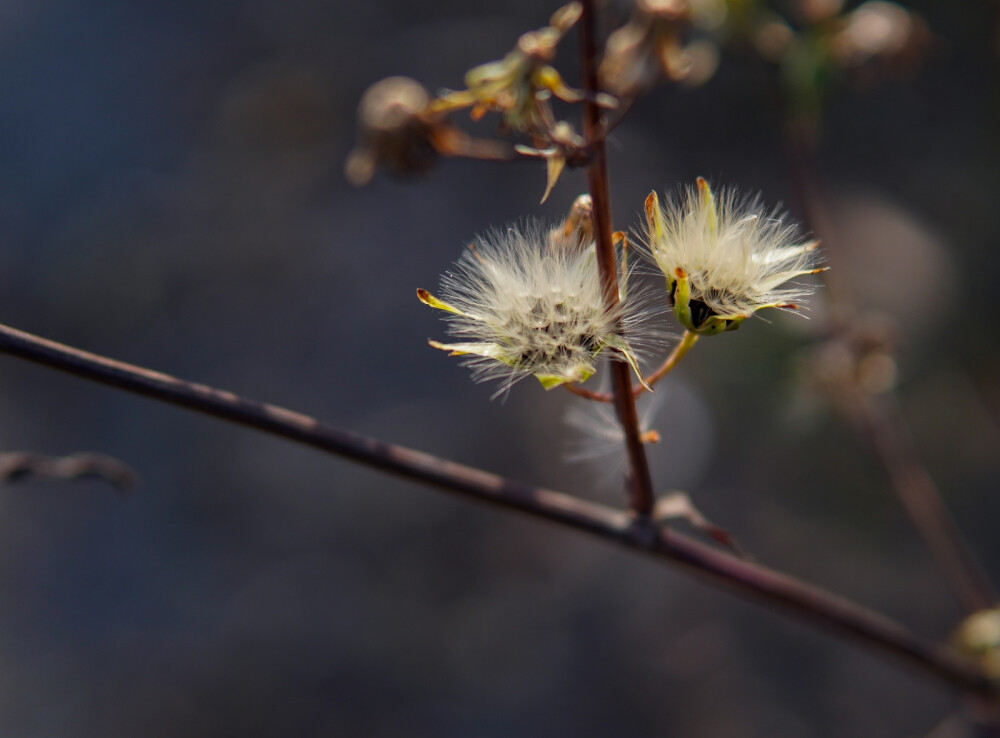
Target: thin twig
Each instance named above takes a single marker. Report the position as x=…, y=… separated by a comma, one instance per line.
x=878, y=419
x=18, y=465
x=589, y=394
x=687, y=341
x=642, y=497
x=827, y=611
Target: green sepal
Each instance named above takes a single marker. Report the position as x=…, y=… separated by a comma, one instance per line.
x=550, y=381
x=733, y=323
x=712, y=325
x=716, y=324
x=487, y=350
x=654, y=217
x=428, y=299
x=621, y=346
x=670, y=286
x=707, y=200
x=682, y=299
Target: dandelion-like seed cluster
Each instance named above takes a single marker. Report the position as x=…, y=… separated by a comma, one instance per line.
x=725, y=257
x=528, y=301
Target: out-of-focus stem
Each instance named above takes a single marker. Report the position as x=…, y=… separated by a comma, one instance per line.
x=878, y=418
x=800, y=148
x=886, y=430
x=641, y=495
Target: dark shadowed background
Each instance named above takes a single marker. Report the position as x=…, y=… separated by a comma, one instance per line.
x=171, y=194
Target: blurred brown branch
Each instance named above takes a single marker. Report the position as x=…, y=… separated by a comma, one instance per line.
x=878, y=418
x=18, y=465
x=873, y=411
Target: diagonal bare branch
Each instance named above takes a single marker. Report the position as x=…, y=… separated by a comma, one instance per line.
x=834, y=614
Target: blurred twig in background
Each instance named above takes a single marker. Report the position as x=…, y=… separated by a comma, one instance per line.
x=20, y=465
x=856, y=363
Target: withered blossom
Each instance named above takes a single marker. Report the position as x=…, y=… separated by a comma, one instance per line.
x=399, y=131
x=648, y=48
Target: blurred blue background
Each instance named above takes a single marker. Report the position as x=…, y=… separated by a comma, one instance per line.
x=171, y=194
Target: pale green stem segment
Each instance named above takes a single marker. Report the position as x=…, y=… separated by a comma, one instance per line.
x=654, y=217
x=682, y=298
x=689, y=339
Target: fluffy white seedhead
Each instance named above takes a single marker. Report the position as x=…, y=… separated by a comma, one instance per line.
x=725, y=256
x=529, y=301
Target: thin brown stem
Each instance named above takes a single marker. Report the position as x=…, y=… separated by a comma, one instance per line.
x=590, y=394
x=641, y=495
x=878, y=419
x=881, y=422
x=829, y=612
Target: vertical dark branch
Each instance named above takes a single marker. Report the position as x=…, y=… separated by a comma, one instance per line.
x=641, y=495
